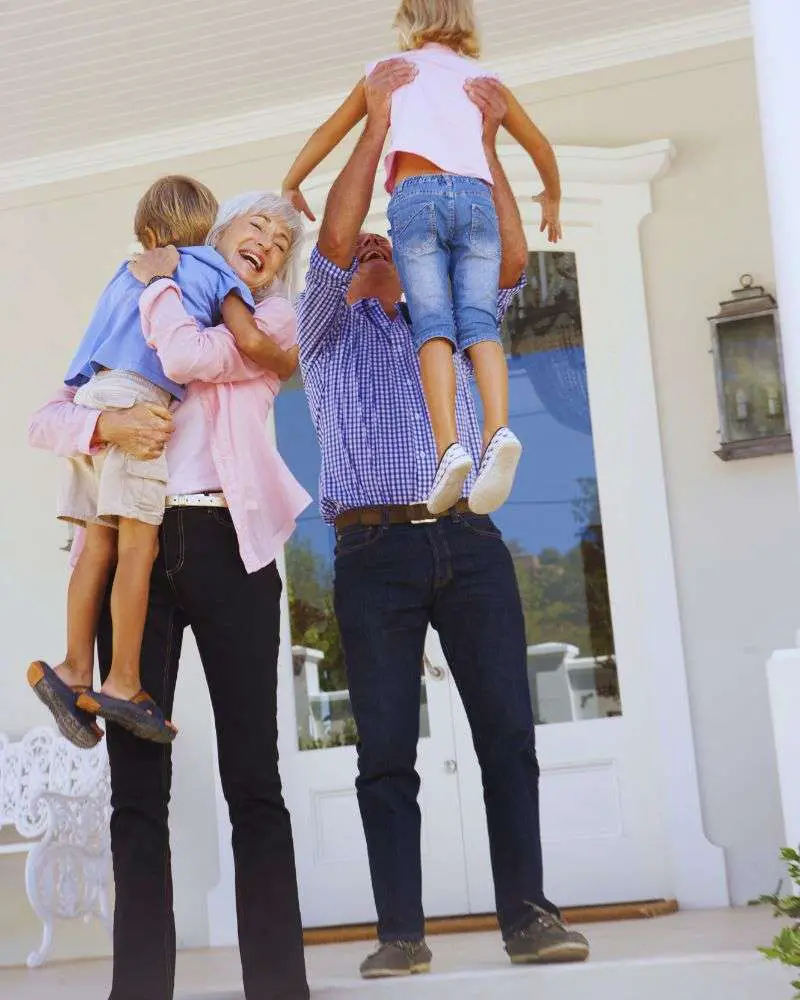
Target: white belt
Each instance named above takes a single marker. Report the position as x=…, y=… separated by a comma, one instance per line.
x=197, y=500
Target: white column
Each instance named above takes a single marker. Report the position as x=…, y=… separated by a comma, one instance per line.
x=776, y=31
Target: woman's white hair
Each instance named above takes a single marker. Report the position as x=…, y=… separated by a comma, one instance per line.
x=271, y=205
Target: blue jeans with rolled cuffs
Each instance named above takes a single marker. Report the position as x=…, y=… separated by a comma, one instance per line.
x=446, y=241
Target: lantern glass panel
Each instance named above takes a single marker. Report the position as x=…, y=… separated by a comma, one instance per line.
x=751, y=383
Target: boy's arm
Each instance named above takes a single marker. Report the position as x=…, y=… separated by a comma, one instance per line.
x=519, y=124
x=326, y=138
x=259, y=347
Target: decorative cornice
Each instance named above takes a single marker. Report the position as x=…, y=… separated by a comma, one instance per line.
x=269, y=123
x=611, y=166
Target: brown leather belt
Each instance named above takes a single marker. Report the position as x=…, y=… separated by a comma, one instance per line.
x=412, y=513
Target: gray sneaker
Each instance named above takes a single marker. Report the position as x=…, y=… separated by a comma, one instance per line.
x=546, y=940
x=397, y=958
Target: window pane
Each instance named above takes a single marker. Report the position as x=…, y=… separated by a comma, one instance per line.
x=552, y=522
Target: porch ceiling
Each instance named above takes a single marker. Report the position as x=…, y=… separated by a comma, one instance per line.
x=76, y=73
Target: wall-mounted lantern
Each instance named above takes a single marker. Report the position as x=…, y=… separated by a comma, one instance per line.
x=748, y=361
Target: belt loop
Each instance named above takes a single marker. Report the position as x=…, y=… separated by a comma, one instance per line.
x=385, y=522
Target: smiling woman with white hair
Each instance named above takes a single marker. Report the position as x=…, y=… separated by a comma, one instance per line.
x=231, y=505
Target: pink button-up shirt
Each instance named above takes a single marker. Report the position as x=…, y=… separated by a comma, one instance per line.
x=226, y=406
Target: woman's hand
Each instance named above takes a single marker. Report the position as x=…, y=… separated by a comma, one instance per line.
x=551, y=216
x=296, y=197
x=159, y=263
x=142, y=431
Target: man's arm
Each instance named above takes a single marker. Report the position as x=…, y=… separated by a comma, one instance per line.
x=490, y=97
x=349, y=198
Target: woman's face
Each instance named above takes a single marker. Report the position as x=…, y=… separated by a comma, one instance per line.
x=256, y=246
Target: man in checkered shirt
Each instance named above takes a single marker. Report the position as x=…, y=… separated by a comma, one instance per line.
x=398, y=570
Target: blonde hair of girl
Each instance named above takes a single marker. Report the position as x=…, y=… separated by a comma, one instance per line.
x=448, y=22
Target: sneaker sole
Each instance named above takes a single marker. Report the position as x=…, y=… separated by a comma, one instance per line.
x=493, y=488
x=415, y=970
x=449, y=493
x=558, y=953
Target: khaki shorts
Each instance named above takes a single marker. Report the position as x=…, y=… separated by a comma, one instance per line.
x=100, y=489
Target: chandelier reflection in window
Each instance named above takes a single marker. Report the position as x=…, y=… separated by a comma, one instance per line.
x=544, y=338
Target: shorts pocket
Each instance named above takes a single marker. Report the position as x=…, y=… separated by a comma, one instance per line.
x=484, y=231
x=414, y=229
x=154, y=469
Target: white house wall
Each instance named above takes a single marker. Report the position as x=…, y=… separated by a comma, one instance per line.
x=734, y=526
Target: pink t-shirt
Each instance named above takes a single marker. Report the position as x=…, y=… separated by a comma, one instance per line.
x=434, y=118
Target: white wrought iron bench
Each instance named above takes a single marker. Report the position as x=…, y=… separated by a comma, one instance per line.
x=57, y=800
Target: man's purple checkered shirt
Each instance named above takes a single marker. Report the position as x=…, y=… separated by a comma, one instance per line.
x=364, y=391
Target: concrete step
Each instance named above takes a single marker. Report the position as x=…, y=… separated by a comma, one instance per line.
x=689, y=956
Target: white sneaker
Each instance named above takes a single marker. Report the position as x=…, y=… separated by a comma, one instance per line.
x=448, y=483
x=496, y=474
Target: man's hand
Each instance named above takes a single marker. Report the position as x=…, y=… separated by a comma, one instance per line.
x=296, y=197
x=383, y=81
x=551, y=216
x=142, y=431
x=159, y=263
x=489, y=95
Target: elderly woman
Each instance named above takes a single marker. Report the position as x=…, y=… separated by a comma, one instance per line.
x=232, y=504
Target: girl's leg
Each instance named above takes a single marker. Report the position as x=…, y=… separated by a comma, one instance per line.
x=137, y=548
x=491, y=373
x=87, y=589
x=420, y=246
x=439, y=386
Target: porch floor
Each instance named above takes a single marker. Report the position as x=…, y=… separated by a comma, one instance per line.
x=692, y=955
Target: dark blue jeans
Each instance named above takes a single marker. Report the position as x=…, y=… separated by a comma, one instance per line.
x=391, y=583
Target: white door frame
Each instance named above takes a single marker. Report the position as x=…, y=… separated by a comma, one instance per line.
x=606, y=190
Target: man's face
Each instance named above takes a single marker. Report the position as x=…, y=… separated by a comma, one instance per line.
x=375, y=276
x=373, y=253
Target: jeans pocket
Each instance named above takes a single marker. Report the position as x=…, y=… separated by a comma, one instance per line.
x=480, y=524
x=357, y=538
x=221, y=516
x=484, y=230
x=414, y=228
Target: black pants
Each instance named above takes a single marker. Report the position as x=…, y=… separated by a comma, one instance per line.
x=199, y=580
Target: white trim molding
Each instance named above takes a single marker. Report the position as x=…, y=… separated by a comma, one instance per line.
x=268, y=123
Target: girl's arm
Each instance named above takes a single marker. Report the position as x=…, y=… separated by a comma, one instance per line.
x=326, y=138
x=259, y=347
x=519, y=124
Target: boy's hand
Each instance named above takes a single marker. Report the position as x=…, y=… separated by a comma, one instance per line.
x=291, y=361
x=297, y=199
x=551, y=216
x=159, y=263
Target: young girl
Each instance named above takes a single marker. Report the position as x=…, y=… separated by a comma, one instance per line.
x=445, y=232
x=118, y=499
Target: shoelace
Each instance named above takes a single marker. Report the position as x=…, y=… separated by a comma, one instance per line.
x=544, y=919
x=409, y=947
